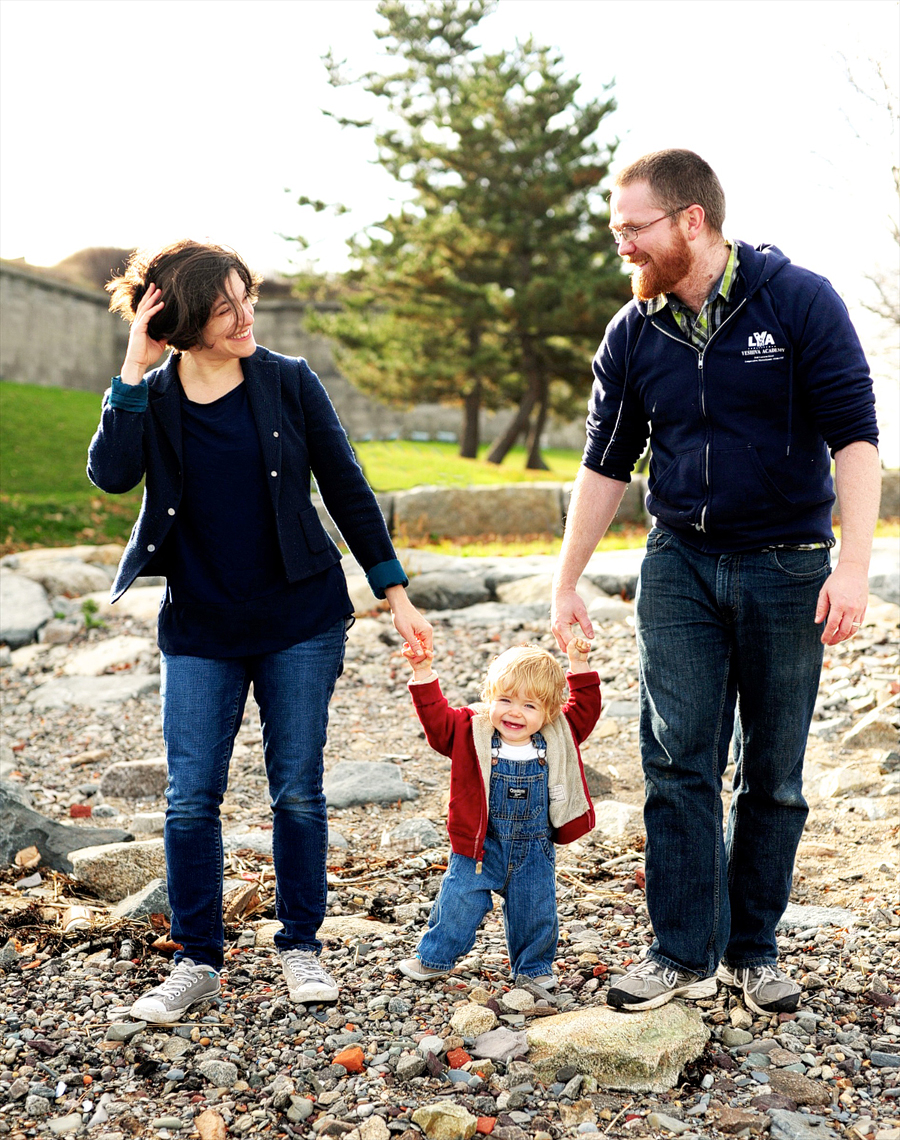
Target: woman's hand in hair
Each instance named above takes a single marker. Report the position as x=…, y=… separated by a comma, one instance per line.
x=142, y=349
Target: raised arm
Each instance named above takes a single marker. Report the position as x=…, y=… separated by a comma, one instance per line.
x=595, y=500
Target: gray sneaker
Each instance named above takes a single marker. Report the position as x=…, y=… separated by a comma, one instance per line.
x=650, y=984
x=765, y=988
x=187, y=984
x=306, y=978
x=413, y=968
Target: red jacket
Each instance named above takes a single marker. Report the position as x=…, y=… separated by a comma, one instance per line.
x=464, y=735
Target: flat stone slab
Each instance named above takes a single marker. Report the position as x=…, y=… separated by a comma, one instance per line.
x=92, y=692
x=635, y=1052
x=21, y=826
x=135, y=779
x=798, y=917
x=352, y=783
x=340, y=926
x=124, y=649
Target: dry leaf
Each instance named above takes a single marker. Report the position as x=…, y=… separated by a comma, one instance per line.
x=239, y=901
x=28, y=858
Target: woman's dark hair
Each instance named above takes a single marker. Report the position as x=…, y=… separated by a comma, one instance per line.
x=192, y=277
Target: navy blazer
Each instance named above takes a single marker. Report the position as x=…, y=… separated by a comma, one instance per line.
x=300, y=436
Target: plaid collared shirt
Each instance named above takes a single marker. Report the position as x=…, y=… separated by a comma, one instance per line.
x=698, y=329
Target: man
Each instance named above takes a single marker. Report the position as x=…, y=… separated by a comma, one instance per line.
x=744, y=370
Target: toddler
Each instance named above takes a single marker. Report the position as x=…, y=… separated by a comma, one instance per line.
x=517, y=786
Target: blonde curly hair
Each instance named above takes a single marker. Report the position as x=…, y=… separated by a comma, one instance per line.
x=532, y=670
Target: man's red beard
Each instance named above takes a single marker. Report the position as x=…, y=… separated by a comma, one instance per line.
x=663, y=272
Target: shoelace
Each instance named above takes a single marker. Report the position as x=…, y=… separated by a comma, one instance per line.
x=305, y=967
x=651, y=966
x=178, y=981
x=766, y=974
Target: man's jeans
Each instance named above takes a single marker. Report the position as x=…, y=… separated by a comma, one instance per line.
x=202, y=706
x=519, y=864
x=729, y=655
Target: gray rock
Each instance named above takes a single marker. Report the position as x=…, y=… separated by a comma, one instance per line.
x=125, y=1030
x=352, y=783
x=36, y=1105
x=135, y=780
x=625, y=710
x=121, y=869
x=500, y=1045
x=21, y=826
x=614, y=819
x=92, y=692
x=615, y=585
x=809, y=917
x=418, y=832
x=283, y=1088
x=153, y=899
x=797, y=1126
x=447, y=591
x=668, y=1123
x=409, y=1067
x=886, y=587
x=258, y=841
x=872, y=808
x=883, y=1060
x=493, y=613
x=24, y=608
x=829, y=729
x=643, y=1052
x=59, y=1125
x=609, y=609
x=537, y=590
x=222, y=1074
x=68, y=576
x=599, y=784
x=876, y=730
x=146, y=823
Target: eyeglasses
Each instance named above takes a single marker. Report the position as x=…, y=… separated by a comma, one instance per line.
x=628, y=233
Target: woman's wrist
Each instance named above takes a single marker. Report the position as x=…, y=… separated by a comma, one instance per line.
x=131, y=373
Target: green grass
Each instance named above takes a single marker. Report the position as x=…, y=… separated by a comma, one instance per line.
x=46, y=499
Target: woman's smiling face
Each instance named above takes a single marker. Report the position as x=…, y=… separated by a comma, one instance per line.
x=223, y=336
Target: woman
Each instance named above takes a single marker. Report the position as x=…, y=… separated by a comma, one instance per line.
x=228, y=435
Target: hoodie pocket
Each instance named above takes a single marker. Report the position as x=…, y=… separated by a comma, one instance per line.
x=677, y=495
x=742, y=491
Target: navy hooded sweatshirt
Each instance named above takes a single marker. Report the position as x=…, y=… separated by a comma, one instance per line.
x=740, y=430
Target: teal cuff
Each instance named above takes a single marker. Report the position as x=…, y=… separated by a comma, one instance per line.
x=386, y=574
x=128, y=397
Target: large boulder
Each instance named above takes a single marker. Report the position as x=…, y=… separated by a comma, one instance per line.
x=121, y=869
x=537, y=588
x=24, y=608
x=67, y=577
x=636, y=1052
x=517, y=508
x=21, y=826
x=447, y=590
x=135, y=779
x=352, y=783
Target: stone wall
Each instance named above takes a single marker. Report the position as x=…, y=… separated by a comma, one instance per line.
x=57, y=334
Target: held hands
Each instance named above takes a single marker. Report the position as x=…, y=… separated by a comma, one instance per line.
x=420, y=660
x=142, y=349
x=568, y=611
x=577, y=651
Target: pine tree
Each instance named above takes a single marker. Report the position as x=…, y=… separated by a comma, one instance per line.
x=495, y=280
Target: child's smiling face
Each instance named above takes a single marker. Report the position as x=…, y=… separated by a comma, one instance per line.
x=516, y=716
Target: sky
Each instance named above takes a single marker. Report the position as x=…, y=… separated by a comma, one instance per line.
x=133, y=122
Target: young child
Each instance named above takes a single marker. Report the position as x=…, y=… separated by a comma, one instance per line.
x=517, y=786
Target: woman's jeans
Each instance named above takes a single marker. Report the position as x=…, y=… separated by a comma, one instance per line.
x=729, y=654
x=202, y=707
x=519, y=864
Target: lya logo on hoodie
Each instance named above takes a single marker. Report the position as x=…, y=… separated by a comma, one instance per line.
x=761, y=346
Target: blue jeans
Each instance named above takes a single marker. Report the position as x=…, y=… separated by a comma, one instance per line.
x=729, y=655
x=202, y=706
x=519, y=865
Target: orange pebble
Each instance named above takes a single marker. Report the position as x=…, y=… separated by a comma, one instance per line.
x=87, y=1079
x=352, y=1058
x=456, y=1058
x=485, y=1125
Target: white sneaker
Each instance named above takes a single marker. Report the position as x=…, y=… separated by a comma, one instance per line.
x=306, y=979
x=413, y=968
x=187, y=984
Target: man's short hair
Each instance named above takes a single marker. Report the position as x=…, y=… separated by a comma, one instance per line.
x=679, y=178
x=532, y=670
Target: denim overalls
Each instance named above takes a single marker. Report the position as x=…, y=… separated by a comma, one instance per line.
x=518, y=864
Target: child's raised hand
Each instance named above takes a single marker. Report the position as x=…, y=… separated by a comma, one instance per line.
x=420, y=659
x=578, y=650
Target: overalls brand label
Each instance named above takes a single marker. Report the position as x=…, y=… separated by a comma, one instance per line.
x=517, y=793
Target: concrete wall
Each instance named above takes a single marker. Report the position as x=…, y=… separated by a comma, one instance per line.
x=61, y=335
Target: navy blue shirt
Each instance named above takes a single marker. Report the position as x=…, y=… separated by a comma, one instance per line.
x=227, y=592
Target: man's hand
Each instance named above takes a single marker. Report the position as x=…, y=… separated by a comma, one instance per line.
x=567, y=610
x=842, y=602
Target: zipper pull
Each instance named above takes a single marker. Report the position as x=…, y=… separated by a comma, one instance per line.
x=478, y=867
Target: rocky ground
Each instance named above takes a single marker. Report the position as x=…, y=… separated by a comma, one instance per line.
x=392, y=1056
